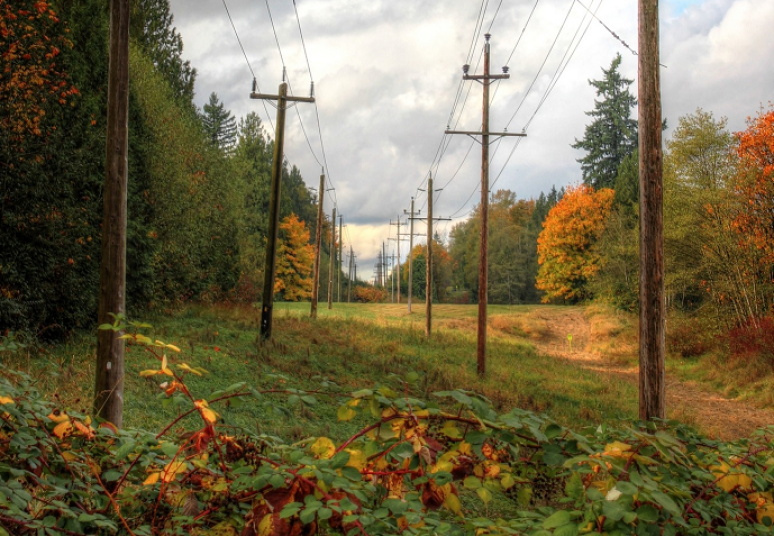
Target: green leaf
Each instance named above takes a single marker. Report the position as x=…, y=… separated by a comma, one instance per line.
x=307, y=515
x=169, y=448
x=471, y=482
x=666, y=502
x=627, y=488
x=484, y=494
x=324, y=513
x=442, y=478
x=277, y=480
x=351, y=473
x=570, y=529
x=412, y=377
x=553, y=430
x=613, y=510
x=647, y=513
x=124, y=450
x=557, y=519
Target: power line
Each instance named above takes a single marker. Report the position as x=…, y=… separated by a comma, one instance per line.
x=276, y=38
x=557, y=74
x=316, y=110
x=489, y=30
x=268, y=115
x=567, y=16
x=630, y=49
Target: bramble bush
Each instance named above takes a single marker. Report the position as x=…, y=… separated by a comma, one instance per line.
x=451, y=467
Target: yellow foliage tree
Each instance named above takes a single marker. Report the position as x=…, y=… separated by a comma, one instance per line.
x=295, y=256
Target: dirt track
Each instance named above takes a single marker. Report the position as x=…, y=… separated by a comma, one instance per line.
x=686, y=401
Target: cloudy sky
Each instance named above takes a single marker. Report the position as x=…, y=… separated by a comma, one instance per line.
x=387, y=75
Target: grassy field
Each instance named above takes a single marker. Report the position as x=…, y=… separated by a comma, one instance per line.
x=350, y=347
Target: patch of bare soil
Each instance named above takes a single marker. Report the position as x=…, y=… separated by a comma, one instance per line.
x=687, y=402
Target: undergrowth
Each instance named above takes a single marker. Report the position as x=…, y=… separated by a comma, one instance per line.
x=446, y=463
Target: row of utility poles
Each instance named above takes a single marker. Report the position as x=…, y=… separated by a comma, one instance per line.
x=109, y=375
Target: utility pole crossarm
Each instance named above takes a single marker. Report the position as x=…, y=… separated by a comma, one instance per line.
x=485, y=76
x=266, y=96
x=475, y=133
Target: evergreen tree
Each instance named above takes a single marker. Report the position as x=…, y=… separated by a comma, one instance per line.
x=152, y=30
x=219, y=125
x=612, y=135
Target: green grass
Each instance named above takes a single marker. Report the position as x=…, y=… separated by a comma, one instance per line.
x=353, y=345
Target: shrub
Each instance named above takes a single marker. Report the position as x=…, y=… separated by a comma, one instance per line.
x=753, y=340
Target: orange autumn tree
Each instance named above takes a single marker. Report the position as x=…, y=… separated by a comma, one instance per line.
x=295, y=256
x=31, y=78
x=754, y=183
x=566, y=254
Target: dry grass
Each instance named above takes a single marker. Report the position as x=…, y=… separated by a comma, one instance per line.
x=613, y=333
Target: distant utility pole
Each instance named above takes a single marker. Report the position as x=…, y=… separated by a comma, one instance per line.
x=317, y=243
x=109, y=374
x=270, y=268
x=429, y=259
x=349, y=278
x=652, y=305
x=379, y=266
x=384, y=266
x=333, y=259
x=411, y=218
x=340, y=259
x=397, y=241
x=485, y=80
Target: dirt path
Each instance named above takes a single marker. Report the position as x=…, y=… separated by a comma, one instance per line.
x=686, y=401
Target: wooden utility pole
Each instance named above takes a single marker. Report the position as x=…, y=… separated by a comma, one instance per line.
x=411, y=250
x=340, y=259
x=333, y=259
x=397, y=241
x=485, y=79
x=109, y=377
x=429, y=263
x=349, y=273
x=318, y=243
x=652, y=304
x=270, y=267
x=429, y=258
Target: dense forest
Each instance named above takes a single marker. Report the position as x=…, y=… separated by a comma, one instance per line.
x=199, y=179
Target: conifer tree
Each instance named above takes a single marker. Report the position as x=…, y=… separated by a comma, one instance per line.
x=152, y=30
x=612, y=135
x=219, y=125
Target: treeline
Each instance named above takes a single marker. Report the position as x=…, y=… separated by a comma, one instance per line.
x=582, y=243
x=198, y=179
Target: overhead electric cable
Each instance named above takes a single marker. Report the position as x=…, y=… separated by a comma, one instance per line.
x=276, y=38
x=268, y=115
x=537, y=75
x=550, y=87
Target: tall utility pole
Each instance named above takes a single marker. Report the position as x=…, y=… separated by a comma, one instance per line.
x=109, y=377
x=652, y=304
x=412, y=217
x=429, y=263
x=317, y=243
x=349, y=278
x=341, y=260
x=333, y=259
x=429, y=258
x=397, y=241
x=270, y=268
x=485, y=80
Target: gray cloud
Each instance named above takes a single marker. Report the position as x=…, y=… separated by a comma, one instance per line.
x=386, y=73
